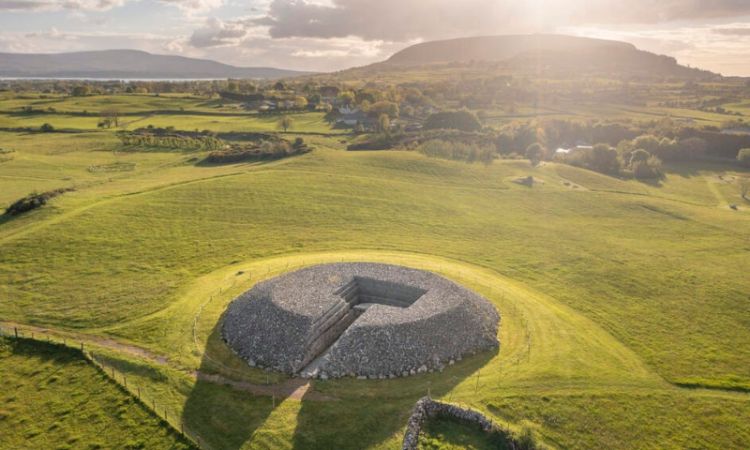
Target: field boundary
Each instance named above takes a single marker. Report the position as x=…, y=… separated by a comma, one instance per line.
x=167, y=418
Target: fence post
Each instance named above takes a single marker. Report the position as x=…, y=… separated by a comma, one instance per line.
x=139, y=392
x=15, y=330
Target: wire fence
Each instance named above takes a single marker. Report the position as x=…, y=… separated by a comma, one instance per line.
x=146, y=398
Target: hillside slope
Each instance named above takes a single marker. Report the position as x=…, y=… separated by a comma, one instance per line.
x=126, y=64
x=540, y=51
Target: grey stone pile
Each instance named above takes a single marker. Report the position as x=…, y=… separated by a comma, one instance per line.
x=361, y=320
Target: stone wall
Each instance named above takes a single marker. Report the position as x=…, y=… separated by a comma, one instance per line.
x=426, y=409
x=361, y=320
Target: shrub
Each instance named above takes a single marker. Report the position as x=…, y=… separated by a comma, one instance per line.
x=266, y=150
x=526, y=440
x=601, y=158
x=457, y=120
x=743, y=156
x=47, y=128
x=457, y=151
x=33, y=201
x=172, y=141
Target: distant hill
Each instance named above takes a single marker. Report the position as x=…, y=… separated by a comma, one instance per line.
x=126, y=64
x=543, y=51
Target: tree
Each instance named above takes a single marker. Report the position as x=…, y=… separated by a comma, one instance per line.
x=110, y=118
x=81, y=91
x=47, y=128
x=534, y=153
x=384, y=123
x=285, y=123
x=647, y=142
x=300, y=102
x=743, y=156
x=346, y=98
x=457, y=120
x=603, y=158
x=639, y=155
x=647, y=169
x=379, y=108
x=692, y=148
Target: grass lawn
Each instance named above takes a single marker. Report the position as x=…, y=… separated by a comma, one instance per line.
x=613, y=293
x=51, y=397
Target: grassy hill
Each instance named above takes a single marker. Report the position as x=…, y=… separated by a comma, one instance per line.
x=614, y=294
x=546, y=53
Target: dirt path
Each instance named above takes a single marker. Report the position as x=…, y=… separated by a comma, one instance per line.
x=294, y=388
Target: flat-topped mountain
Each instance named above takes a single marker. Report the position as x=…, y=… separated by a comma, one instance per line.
x=540, y=51
x=126, y=64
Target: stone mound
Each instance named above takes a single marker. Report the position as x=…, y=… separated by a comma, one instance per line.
x=358, y=319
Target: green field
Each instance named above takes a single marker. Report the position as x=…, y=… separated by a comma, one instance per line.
x=624, y=304
x=53, y=398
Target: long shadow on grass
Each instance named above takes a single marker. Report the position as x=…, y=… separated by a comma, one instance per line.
x=222, y=416
x=368, y=412
x=340, y=414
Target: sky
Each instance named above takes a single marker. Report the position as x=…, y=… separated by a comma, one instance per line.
x=328, y=35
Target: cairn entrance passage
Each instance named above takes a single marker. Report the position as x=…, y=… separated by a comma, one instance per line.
x=357, y=296
x=358, y=319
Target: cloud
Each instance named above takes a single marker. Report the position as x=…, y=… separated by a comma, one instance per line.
x=57, y=5
x=187, y=6
x=194, y=6
x=741, y=31
x=391, y=20
x=399, y=20
x=216, y=33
